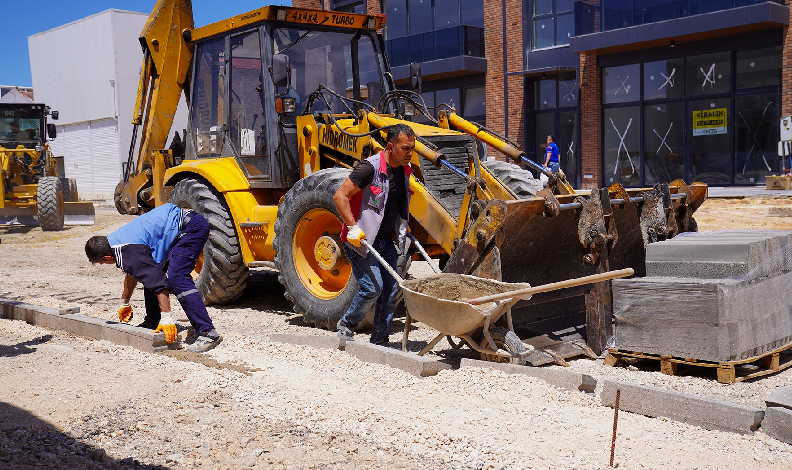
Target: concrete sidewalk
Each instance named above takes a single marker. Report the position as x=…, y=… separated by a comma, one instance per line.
x=746, y=191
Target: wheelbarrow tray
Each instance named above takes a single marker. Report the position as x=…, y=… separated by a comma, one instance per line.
x=454, y=317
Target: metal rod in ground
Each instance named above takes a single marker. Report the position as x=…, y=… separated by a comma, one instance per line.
x=615, y=422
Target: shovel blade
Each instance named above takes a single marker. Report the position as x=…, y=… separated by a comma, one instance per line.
x=79, y=213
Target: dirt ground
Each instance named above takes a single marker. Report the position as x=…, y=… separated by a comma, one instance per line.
x=70, y=402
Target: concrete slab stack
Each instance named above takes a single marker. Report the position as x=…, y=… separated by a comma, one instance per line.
x=715, y=296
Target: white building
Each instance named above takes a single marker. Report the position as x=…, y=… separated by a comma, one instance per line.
x=89, y=70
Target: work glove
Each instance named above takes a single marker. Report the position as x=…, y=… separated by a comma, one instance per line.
x=167, y=326
x=355, y=234
x=125, y=312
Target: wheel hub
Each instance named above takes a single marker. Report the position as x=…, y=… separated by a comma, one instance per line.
x=328, y=252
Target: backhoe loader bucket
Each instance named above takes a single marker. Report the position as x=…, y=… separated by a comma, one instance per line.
x=79, y=213
x=19, y=216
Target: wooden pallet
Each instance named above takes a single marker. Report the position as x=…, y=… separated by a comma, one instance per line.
x=727, y=371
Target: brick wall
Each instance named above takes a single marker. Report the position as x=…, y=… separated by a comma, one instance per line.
x=316, y=4
x=493, y=49
x=590, y=121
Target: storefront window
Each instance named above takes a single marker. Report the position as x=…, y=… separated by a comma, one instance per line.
x=545, y=125
x=475, y=102
x=449, y=97
x=710, y=153
x=664, y=79
x=566, y=139
x=621, y=84
x=545, y=94
x=664, y=133
x=622, y=139
x=756, y=137
x=567, y=92
x=759, y=67
x=709, y=73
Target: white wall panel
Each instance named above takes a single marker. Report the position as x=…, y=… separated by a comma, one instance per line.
x=106, y=168
x=76, y=142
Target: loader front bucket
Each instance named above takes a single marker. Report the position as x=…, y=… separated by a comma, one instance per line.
x=79, y=213
x=19, y=216
x=551, y=238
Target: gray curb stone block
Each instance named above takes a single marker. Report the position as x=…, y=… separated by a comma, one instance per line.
x=559, y=378
x=707, y=413
x=777, y=424
x=314, y=341
x=781, y=398
x=407, y=361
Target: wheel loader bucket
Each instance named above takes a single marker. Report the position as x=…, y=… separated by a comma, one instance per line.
x=79, y=213
x=19, y=216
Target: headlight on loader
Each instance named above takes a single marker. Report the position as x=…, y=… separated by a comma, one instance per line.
x=286, y=105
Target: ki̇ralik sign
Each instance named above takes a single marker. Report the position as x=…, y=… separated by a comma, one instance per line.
x=709, y=121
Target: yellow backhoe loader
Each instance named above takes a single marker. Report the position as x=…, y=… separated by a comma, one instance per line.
x=33, y=194
x=283, y=102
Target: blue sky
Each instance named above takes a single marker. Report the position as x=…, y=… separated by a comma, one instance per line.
x=22, y=19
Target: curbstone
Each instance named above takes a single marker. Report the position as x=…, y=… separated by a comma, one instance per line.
x=48, y=320
x=314, y=341
x=567, y=380
x=782, y=398
x=407, y=361
x=777, y=424
x=707, y=413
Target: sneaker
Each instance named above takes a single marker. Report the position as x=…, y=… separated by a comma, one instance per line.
x=345, y=330
x=203, y=343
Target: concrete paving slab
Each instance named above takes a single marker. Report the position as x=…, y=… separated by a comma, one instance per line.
x=781, y=398
x=420, y=366
x=707, y=413
x=567, y=380
x=777, y=423
x=314, y=341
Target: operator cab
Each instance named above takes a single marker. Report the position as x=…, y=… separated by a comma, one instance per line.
x=25, y=124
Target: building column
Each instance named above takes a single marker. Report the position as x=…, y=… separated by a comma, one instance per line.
x=590, y=99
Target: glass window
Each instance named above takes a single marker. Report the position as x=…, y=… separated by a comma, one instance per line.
x=659, y=10
x=566, y=139
x=710, y=154
x=543, y=33
x=622, y=146
x=420, y=12
x=567, y=92
x=621, y=84
x=545, y=125
x=208, y=96
x=472, y=12
x=429, y=46
x=664, y=79
x=396, y=11
x=706, y=6
x=664, y=133
x=617, y=14
x=355, y=7
x=447, y=43
x=565, y=28
x=709, y=73
x=545, y=94
x=756, y=137
x=446, y=13
x=246, y=107
x=475, y=102
x=449, y=97
x=416, y=45
x=428, y=98
x=759, y=67
x=543, y=7
x=400, y=52
x=564, y=5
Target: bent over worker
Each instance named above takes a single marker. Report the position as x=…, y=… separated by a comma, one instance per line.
x=374, y=204
x=159, y=249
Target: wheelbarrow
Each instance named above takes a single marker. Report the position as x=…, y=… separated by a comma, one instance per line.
x=429, y=301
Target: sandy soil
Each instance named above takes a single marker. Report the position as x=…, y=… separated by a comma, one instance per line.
x=69, y=402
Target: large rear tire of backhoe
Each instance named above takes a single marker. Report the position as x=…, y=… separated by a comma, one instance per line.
x=49, y=203
x=69, y=190
x=517, y=179
x=222, y=273
x=307, y=214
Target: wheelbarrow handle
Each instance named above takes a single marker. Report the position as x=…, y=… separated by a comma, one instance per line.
x=382, y=261
x=579, y=281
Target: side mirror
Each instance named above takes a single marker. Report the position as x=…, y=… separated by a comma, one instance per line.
x=281, y=70
x=416, y=82
x=55, y=115
x=52, y=131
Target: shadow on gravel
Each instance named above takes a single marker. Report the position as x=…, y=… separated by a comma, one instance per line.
x=199, y=358
x=23, y=348
x=28, y=443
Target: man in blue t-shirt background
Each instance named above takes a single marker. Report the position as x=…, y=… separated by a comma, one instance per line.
x=552, y=161
x=159, y=249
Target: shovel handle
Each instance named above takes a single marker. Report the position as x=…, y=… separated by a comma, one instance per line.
x=578, y=281
x=382, y=261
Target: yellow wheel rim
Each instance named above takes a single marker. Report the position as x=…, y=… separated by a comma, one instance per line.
x=319, y=282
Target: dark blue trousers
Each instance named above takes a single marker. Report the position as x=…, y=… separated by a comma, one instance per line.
x=180, y=263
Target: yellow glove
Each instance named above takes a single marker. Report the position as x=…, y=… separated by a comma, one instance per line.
x=125, y=312
x=355, y=234
x=167, y=326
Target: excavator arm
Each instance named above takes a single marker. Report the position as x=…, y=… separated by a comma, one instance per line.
x=167, y=56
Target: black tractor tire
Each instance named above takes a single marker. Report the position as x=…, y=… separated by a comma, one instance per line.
x=119, y=205
x=49, y=203
x=517, y=179
x=69, y=190
x=504, y=339
x=322, y=303
x=223, y=274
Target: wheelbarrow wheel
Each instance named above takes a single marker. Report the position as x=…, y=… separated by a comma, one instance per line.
x=506, y=340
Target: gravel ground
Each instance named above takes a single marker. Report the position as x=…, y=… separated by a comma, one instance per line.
x=70, y=402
